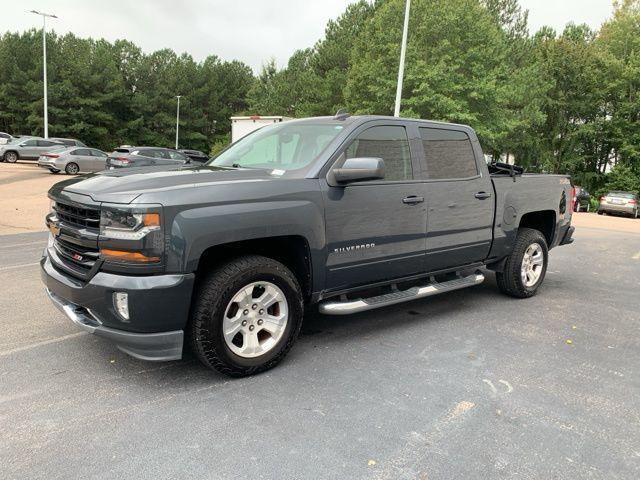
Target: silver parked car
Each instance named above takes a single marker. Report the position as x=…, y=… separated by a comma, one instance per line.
x=73, y=160
x=26, y=148
x=69, y=142
x=625, y=203
x=4, y=138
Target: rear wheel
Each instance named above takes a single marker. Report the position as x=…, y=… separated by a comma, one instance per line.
x=246, y=316
x=72, y=168
x=11, y=157
x=526, y=267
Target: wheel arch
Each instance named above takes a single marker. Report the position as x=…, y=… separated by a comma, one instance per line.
x=544, y=221
x=11, y=151
x=293, y=251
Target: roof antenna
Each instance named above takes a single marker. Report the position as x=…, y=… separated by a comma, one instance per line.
x=342, y=114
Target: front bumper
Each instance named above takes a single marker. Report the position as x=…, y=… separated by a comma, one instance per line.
x=158, y=306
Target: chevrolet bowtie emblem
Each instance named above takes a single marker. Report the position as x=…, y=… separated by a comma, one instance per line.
x=54, y=229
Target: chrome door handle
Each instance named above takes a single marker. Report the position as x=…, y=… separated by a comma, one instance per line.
x=482, y=195
x=412, y=200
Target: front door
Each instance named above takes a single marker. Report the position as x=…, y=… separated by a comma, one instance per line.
x=376, y=229
x=460, y=200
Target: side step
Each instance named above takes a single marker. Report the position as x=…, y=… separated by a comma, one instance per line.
x=346, y=307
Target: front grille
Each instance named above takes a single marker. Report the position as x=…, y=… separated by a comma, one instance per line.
x=76, y=245
x=81, y=257
x=78, y=216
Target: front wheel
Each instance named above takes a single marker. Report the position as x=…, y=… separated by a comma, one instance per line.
x=526, y=267
x=11, y=157
x=246, y=317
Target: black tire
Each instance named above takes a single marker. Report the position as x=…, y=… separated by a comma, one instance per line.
x=510, y=279
x=54, y=171
x=213, y=294
x=72, y=168
x=600, y=212
x=11, y=157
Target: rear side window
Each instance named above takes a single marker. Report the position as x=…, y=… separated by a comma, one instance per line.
x=449, y=154
x=389, y=143
x=30, y=143
x=81, y=151
x=97, y=153
x=176, y=155
x=46, y=143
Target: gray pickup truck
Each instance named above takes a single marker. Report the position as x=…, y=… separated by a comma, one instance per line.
x=346, y=213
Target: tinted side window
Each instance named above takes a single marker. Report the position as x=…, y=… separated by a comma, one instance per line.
x=449, y=154
x=81, y=151
x=30, y=143
x=97, y=153
x=176, y=155
x=390, y=144
x=46, y=143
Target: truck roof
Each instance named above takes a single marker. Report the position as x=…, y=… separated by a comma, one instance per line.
x=365, y=118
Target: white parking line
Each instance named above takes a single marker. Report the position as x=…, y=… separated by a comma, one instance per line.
x=12, y=267
x=40, y=344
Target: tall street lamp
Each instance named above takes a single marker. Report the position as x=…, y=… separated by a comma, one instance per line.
x=177, y=119
x=403, y=51
x=44, y=66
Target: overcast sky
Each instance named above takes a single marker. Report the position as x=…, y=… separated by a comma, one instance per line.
x=248, y=30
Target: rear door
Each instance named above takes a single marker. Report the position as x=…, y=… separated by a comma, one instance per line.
x=98, y=160
x=29, y=149
x=84, y=159
x=459, y=198
x=375, y=230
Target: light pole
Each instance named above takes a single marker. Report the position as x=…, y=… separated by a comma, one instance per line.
x=177, y=119
x=44, y=66
x=403, y=51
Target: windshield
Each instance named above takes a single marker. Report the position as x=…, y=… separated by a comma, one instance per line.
x=282, y=146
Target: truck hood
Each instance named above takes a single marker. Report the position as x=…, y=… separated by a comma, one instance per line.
x=126, y=184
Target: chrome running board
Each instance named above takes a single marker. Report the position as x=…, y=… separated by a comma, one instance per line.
x=346, y=307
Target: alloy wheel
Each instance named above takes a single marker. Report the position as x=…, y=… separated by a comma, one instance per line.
x=532, y=265
x=255, y=319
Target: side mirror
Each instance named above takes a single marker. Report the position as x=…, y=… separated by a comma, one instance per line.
x=360, y=169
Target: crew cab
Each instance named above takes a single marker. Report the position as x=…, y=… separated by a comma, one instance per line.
x=349, y=213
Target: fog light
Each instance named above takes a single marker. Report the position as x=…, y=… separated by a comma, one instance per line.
x=121, y=303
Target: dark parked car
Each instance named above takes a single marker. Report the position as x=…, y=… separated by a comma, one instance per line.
x=581, y=200
x=196, y=156
x=347, y=213
x=625, y=203
x=69, y=142
x=144, y=157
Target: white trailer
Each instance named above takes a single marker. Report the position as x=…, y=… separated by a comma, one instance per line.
x=241, y=126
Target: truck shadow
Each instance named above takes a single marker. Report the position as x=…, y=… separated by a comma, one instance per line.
x=317, y=331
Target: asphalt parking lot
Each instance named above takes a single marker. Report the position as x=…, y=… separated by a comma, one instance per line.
x=471, y=384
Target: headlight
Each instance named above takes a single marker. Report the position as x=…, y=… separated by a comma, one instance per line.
x=131, y=235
